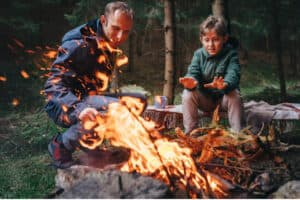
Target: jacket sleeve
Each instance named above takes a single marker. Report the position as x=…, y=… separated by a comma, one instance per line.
x=63, y=105
x=233, y=72
x=194, y=69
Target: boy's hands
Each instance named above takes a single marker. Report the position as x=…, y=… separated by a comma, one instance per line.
x=188, y=82
x=218, y=83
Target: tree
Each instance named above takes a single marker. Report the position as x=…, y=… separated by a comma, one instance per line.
x=220, y=9
x=275, y=5
x=169, y=27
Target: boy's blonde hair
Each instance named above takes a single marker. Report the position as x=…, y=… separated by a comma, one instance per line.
x=213, y=22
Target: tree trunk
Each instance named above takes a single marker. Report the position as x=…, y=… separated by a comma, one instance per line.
x=169, y=27
x=220, y=9
x=275, y=9
x=293, y=41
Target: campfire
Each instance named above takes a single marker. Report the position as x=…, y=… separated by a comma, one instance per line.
x=191, y=163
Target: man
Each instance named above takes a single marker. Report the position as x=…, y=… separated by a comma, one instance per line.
x=80, y=77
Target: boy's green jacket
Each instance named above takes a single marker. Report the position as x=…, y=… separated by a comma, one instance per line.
x=204, y=68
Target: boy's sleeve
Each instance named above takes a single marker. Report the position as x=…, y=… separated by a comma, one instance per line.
x=233, y=72
x=194, y=69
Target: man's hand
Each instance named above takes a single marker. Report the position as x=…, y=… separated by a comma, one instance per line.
x=218, y=83
x=88, y=114
x=188, y=82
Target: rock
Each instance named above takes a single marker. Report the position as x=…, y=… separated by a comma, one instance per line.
x=86, y=182
x=290, y=190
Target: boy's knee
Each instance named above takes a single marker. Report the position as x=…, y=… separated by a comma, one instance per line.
x=188, y=95
x=234, y=95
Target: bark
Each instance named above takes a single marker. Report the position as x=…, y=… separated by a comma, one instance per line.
x=220, y=9
x=169, y=27
x=164, y=120
x=293, y=41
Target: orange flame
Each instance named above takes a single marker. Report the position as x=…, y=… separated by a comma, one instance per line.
x=101, y=59
x=64, y=108
x=104, y=78
x=101, y=44
x=55, y=80
x=15, y=102
x=122, y=60
x=50, y=54
x=3, y=78
x=151, y=153
x=24, y=74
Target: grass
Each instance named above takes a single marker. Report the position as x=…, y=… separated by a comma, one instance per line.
x=24, y=170
x=25, y=133
x=26, y=176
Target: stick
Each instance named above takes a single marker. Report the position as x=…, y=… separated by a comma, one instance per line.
x=240, y=168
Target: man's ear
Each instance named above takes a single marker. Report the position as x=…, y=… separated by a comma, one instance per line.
x=103, y=19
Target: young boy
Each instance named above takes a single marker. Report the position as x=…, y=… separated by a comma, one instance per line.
x=212, y=78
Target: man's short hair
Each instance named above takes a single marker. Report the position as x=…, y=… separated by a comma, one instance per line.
x=216, y=23
x=118, y=5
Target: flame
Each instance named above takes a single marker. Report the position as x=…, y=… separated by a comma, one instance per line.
x=64, y=108
x=3, y=78
x=50, y=54
x=104, y=45
x=151, y=153
x=15, y=102
x=20, y=44
x=55, y=80
x=29, y=51
x=101, y=59
x=104, y=78
x=121, y=60
x=24, y=74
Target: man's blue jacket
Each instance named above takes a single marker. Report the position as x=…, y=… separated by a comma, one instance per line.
x=75, y=74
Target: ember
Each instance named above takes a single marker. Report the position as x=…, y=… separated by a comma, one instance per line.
x=15, y=102
x=2, y=78
x=24, y=74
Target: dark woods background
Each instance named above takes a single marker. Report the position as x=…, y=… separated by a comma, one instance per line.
x=268, y=33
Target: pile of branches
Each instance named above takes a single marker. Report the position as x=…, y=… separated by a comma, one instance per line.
x=229, y=155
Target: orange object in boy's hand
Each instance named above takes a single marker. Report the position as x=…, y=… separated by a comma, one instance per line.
x=218, y=83
x=188, y=82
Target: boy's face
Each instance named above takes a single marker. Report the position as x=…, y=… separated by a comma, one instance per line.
x=116, y=27
x=212, y=42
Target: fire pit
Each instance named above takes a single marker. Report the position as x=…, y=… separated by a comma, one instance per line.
x=211, y=163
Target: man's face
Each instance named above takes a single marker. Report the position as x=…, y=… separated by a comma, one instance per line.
x=212, y=42
x=116, y=27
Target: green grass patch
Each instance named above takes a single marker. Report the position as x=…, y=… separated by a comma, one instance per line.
x=24, y=170
x=26, y=177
